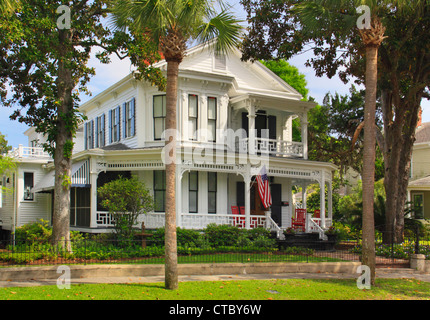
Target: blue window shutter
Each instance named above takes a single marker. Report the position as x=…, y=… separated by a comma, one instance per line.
x=102, y=129
x=85, y=136
x=118, y=123
x=124, y=120
x=96, y=133
x=110, y=127
x=133, y=116
x=92, y=134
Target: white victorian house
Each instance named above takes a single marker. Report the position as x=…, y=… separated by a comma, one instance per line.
x=233, y=118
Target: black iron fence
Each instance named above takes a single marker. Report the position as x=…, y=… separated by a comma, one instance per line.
x=89, y=251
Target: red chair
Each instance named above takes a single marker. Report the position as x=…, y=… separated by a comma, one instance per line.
x=234, y=209
x=299, y=221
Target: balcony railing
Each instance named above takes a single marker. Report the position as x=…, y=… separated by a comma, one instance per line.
x=29, y=153
x=273, y=147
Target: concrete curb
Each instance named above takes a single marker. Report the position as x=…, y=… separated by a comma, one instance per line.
x=111, y=271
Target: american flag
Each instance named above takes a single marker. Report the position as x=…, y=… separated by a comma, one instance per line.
x=263, y=188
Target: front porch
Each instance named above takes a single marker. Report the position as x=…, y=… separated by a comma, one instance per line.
x=207, y=192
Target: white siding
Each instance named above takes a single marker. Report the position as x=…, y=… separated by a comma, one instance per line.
x=40, y=207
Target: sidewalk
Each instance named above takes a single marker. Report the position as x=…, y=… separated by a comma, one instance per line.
x=396, y=273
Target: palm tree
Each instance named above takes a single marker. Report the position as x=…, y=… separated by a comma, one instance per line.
x=321, y=19
x=172, y=24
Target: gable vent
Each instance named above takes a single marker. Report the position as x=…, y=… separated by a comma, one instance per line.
x=220, y=62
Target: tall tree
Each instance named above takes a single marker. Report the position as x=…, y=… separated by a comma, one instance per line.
x=403, y=77
x=7, y=164
x=170, y=25
x=404, y=82
x=336, y=47
x=44, y=51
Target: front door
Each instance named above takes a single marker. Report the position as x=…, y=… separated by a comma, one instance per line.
x=256, y=204
x=276, y=191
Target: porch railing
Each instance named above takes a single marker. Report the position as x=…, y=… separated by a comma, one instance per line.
x=273, y=147
x=189, y=220
x=28, y=152
x=314, y=225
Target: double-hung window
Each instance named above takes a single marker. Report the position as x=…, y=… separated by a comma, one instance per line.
x=159, y=191
x=129, y=118
x=212, y=116
x=193, y=191
x=89, y=134
x=193, y=115
x=28, y=186
x=100, y=131
x=114, y=125
x=212, y=191
x=159, y=113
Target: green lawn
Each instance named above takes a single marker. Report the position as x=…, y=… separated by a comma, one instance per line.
x=291, y=289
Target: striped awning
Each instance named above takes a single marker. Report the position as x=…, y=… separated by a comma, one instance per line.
x=80, y=177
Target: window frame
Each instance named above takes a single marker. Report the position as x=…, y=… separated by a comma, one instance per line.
x=163, y=115
x=100, y=131
x=32, y=197
x=194, y=118
x=214, y=120
x=213, y=178
x=194, y=191
x=162, y=190
x=129, y=118
x=420, y=194
x=115, y=125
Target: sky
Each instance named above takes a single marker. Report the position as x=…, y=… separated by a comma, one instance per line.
x=107, y=75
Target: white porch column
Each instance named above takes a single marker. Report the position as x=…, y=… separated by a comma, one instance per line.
x=322, y=198
x=251, y=129
x=93, y=180
x=304, y=126
x=330, y=201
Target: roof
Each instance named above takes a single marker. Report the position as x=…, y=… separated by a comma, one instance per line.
x=422, y=134
x=116, y=146
x=420, y=182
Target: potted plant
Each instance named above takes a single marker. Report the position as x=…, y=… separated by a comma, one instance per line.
x=331, y=234
x=289, y=233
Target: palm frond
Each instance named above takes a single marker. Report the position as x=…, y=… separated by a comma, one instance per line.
x=223, y=27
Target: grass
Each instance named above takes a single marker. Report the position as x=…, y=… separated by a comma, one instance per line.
x=290, y=289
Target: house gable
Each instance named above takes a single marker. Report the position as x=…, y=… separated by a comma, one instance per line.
x=248, y=77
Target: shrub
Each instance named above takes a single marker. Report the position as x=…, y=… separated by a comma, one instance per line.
x=222, y=235
x=185, y=237
x=39, y=230
x=125, y=199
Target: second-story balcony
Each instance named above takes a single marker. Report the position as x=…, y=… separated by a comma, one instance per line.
x=29, y=153
x=272, y=147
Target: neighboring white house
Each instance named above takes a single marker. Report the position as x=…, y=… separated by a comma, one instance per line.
x=123, y=136
x=419, y=184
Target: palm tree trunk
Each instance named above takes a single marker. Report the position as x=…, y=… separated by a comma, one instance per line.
x=368, y=250
x=171, y=264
